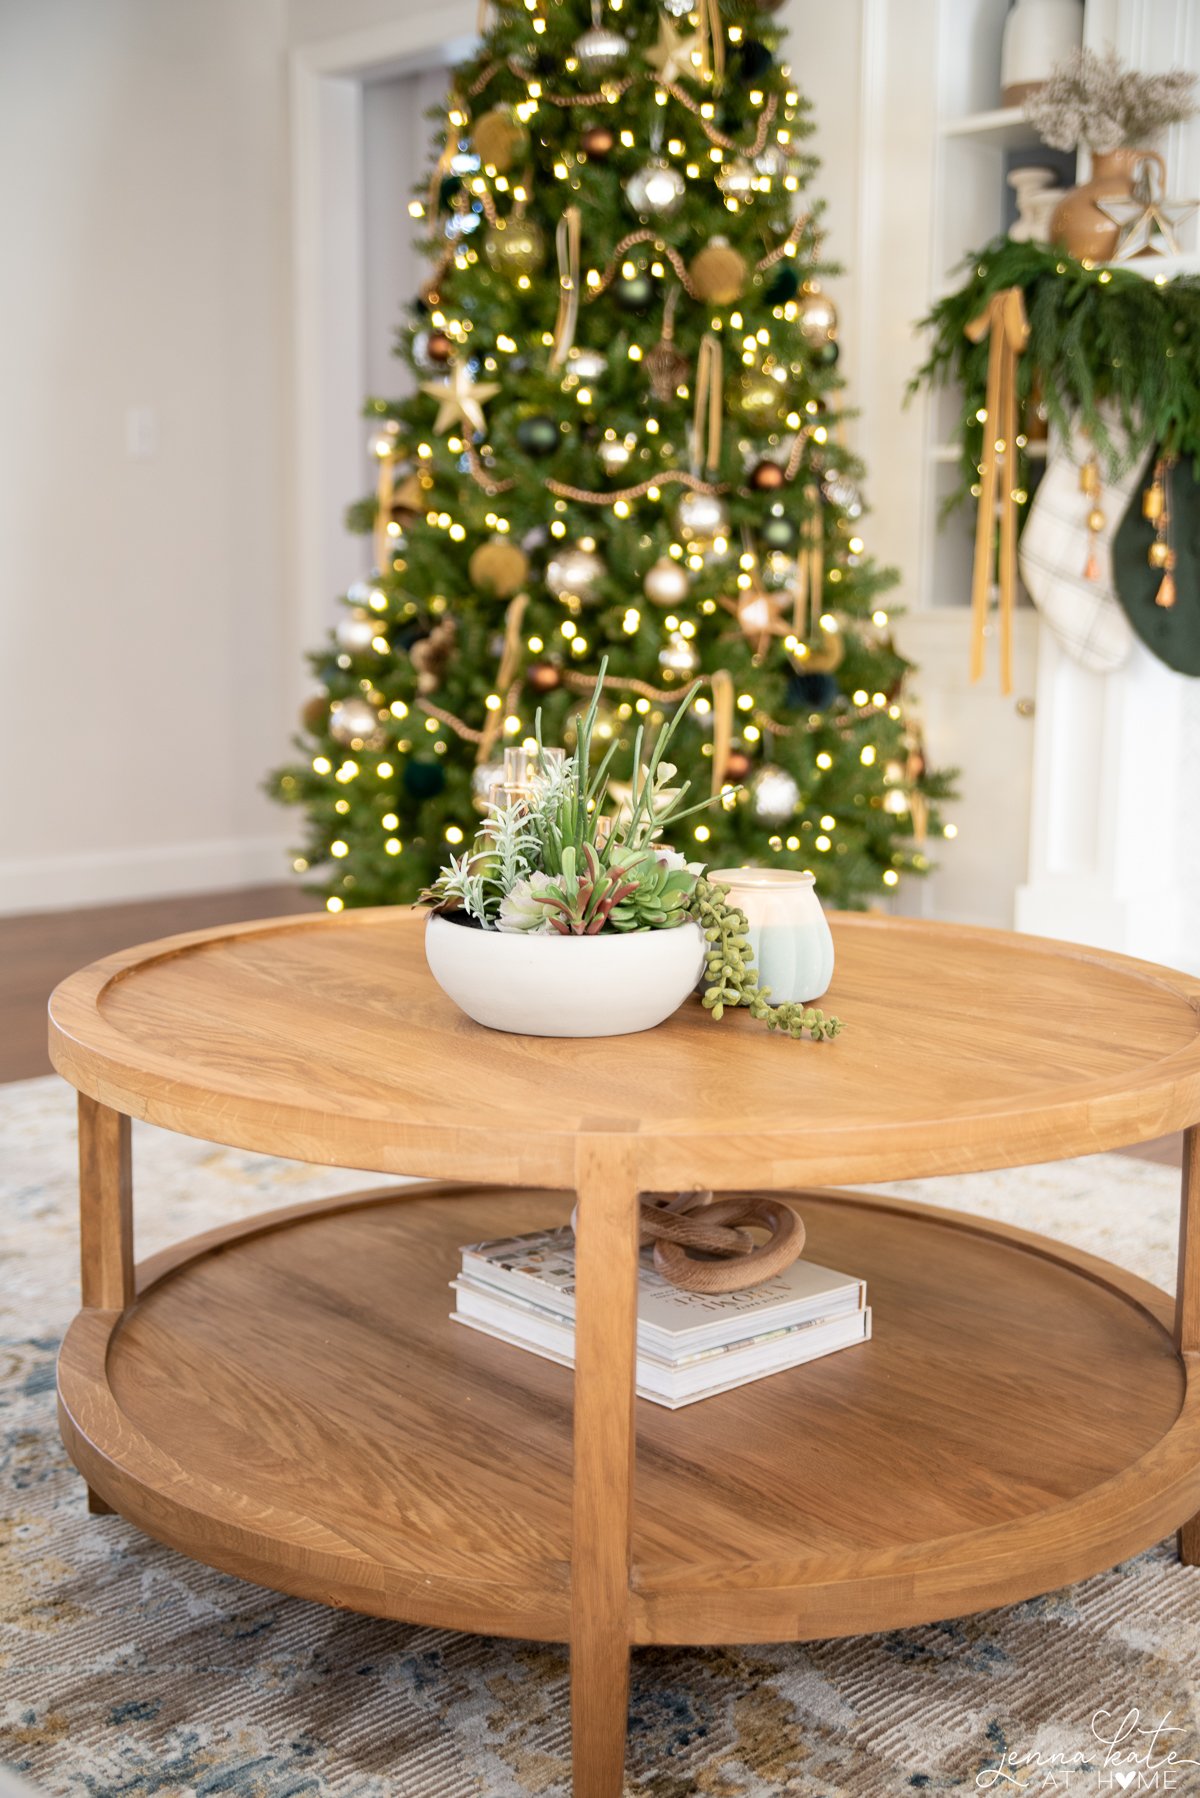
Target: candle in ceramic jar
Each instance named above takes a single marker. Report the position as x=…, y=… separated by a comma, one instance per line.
x=793, y=949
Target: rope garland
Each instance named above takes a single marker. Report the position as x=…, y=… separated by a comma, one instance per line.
x=647, y=234
x=584, y=496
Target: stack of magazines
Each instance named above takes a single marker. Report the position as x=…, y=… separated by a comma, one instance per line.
x=690, y=1345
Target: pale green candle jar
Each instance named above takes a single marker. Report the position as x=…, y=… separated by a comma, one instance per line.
x=793, y=948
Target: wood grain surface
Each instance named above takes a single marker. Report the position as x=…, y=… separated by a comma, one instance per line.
x=326, y=1039
x=290, y=1400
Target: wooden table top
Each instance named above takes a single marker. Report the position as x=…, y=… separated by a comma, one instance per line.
x=325, y=1038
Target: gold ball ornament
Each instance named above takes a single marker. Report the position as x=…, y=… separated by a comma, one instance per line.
x=499, y=567
x=515, y=249
x=817, y=317
x=1160, y=554
x=666, y=583
x=828, y=653
x=758, y=394
x=1096, y=520
x=315, y=712
x=499, y=139
x=718, y=273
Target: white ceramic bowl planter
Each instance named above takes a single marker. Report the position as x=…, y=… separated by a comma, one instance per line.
x=545, y=984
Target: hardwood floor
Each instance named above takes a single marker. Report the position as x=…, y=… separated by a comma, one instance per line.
x=39, y=949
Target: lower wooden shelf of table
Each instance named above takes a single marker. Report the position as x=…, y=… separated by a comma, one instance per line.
x=289, y=1400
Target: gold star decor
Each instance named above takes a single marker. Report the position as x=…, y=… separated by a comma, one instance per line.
x=1147, y=225
x=673, y=54
x=460, y=398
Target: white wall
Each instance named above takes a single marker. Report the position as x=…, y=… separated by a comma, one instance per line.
x=144, y=617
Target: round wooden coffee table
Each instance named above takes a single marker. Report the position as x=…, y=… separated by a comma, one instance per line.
x=287, y=1399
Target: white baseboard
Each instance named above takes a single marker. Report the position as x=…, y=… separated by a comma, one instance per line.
x=62, y=882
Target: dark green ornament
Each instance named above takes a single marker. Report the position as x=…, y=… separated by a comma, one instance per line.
x=634, y=293
x=1172, y=633
x=424, y=780
x=784, y=284
x=538, y=435
x=825, y=355
x=779, y=533
x=811, y=692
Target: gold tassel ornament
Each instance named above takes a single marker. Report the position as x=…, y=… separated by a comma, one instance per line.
x=706, y=417
x=1005, y=324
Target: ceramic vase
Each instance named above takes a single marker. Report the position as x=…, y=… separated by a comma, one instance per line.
x=790, y=939
x=1078, y=224
x=1038, y=34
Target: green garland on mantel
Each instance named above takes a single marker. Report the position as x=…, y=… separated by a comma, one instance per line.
x=1098, y=335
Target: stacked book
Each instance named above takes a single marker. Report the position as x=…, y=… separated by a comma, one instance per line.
x=690, y=1345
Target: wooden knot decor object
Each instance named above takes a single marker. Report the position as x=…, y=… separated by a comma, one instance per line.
x=698, y=1245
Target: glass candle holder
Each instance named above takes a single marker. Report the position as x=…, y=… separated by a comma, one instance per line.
x=792, y=945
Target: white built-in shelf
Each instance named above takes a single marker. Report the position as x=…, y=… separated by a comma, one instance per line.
x=1006, y=128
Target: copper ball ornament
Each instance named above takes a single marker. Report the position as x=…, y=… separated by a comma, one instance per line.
x=597, y=142
x=718, y=272
x=666, y=582
x=314, y=712
x=543, y=677
x=499, y=567
x=738, y=764
x=519, y=248
x=438, y=347
x=766, y=477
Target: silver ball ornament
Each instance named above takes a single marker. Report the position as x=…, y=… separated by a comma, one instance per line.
x=574, y=570
x=678, y=9
x=736, y=179
x=657, y=190
x=355, y=633
x=774, y=795
x=353, y=721
x=666, y=583
x=842, y=492
x=678, y=655
x=599, y=51
x=817, y=318
x=588, y=365
x=702, y=515
x=614, y=454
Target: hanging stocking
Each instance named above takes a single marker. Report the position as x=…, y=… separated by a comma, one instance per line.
x=1066, y=549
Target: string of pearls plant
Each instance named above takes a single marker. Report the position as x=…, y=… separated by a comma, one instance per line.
x=732, y=977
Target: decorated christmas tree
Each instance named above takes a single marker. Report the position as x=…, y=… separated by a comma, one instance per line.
x=624, y=441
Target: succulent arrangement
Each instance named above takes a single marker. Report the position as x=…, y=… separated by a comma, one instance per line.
x=556, y=857
x=1096, y=100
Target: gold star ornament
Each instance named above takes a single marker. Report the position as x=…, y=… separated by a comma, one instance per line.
x=674, y=54
x=460, y=397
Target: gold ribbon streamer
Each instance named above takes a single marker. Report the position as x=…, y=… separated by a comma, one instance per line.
x=568, y=236
x=721, y=682
x=712, y=42
x=1006, y=324
x=384, y=491
x=510, y=656
x=810, y=566
x=710, y=387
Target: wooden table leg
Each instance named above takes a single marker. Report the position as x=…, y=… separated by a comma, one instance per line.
x=602, y=1517
x=105, y=1218
x=1187, y=1300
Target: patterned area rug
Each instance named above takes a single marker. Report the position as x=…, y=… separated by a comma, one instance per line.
x=126, y=1669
